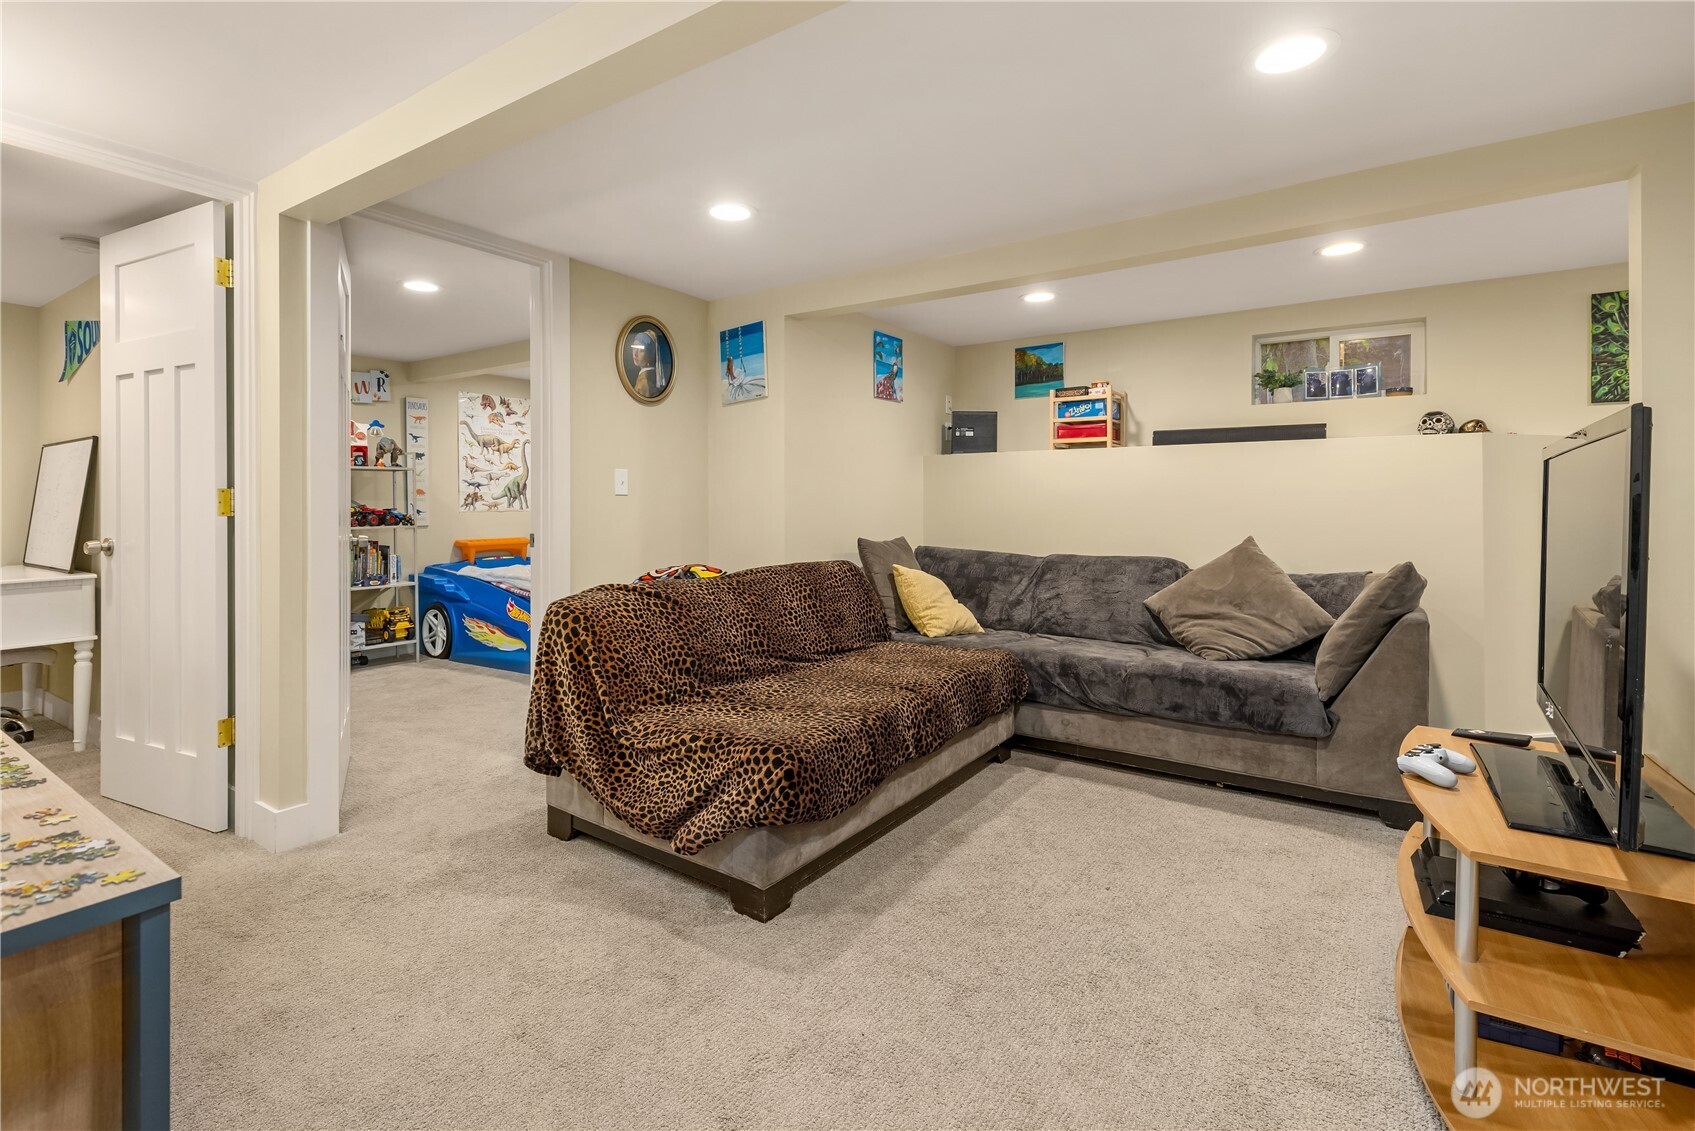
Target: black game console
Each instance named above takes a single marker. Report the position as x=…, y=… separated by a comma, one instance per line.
x=1528, y=909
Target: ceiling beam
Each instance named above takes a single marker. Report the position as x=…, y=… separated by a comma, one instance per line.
x=588, y=57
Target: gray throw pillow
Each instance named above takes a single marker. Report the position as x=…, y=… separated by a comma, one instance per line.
x=1239, y=606
x=879, y=560
x=1386, y=598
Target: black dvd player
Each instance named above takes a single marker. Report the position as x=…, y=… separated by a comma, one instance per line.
x=1606, y=928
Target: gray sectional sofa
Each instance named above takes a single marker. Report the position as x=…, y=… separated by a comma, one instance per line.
x=1108, y=683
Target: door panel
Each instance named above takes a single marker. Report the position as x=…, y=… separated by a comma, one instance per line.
x=165, y=589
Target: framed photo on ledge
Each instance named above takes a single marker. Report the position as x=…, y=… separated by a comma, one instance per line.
x=1317, y=388
x=1368, y=380
x=1341, y=383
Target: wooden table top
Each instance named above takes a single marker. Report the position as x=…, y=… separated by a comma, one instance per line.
x=45, y=823
x=1469, y=817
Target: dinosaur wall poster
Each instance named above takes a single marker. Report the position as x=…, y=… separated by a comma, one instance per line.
x=494, y=452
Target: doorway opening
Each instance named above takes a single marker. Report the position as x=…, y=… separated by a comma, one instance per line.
x=434, y=351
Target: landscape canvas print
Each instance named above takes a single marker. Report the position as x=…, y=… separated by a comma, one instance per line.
x=741, y=362
x=1038, y=370
x=494, y=452
x=1609, y=347
x=887, y=370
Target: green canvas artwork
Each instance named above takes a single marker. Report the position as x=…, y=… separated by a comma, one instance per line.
x=1609, y=347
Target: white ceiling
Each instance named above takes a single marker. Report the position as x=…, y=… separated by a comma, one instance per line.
x=1585, y=228
x=881, y=133
x=240, y=88
x=484, y=300
x=43, y=198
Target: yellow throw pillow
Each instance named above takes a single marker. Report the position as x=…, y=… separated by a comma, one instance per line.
x=930, y=604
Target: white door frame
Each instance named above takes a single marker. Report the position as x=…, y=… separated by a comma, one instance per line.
x=550, y=472
x=102, y=153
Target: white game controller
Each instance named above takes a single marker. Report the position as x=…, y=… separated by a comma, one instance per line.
x=1427, y=768
x=1452, y=759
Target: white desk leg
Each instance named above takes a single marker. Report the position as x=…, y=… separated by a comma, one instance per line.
x=32, y=677
x=1465, y=948
x=82, y=687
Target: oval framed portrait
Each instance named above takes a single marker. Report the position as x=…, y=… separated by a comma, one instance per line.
x=647, y=365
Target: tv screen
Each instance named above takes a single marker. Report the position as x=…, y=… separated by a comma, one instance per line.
x=1594, y=571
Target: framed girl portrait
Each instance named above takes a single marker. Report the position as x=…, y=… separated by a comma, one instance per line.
x=646, y=361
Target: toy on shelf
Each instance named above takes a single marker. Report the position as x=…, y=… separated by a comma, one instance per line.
x=1088, y=418
x=388, y=624
x=361, y=515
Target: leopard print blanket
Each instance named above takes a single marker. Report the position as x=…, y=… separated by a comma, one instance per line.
x=770, y=696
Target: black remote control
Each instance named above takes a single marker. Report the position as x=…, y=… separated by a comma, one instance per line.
x=1493, y=736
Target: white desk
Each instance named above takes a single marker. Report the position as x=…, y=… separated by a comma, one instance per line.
x=39, y=607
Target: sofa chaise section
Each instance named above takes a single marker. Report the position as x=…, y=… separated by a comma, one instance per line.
x=691, y=718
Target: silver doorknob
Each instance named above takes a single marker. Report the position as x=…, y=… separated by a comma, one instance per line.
x=98, y=546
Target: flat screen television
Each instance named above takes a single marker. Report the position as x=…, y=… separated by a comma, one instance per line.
x=1591, y=655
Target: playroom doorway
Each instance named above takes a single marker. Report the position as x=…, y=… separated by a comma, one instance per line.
x=428, y=343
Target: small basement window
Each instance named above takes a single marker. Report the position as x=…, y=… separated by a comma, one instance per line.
x=1350, y=363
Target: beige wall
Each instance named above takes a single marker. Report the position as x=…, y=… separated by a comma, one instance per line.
x=20, y=396
x=1512, y=351
x=434, y=543
x=40, y=409
x=855, y=464
x=1314, y=506
x=663, y=520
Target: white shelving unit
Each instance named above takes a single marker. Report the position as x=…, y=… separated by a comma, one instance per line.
x=399, y=483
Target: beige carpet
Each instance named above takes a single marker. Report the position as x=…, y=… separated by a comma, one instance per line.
x=1052, y=945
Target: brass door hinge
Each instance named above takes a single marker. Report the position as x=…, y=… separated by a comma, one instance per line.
x=226, y=502
x=223, y=272
x=226, y=732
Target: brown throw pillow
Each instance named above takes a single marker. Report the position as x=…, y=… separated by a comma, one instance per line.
x=1239, y=606
x=879, y=560
x=1386, y=598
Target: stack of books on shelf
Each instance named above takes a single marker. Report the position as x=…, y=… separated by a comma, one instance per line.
x=374, y=564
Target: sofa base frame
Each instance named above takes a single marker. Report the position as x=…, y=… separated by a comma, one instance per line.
x=764, y=904
x=1395, y=814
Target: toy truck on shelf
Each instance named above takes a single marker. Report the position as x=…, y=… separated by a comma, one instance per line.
x=387, y=625
x=360, y=515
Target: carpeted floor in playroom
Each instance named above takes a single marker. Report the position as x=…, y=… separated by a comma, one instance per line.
x=1052, y=945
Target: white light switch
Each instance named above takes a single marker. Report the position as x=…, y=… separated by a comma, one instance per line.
x=947, y=404
x=620, y=481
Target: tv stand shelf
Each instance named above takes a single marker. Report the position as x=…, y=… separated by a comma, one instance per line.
x=1640, y=1004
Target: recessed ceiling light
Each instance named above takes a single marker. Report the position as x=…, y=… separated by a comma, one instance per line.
x=422, y=286
x=1039, y=296
x=730, y=211
x=1345, y=247
x=1293, y=52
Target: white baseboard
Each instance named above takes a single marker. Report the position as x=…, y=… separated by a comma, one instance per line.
x=279, y=830
x=56, y=709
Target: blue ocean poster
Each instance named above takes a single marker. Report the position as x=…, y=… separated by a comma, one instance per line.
x=888, y=373
x=741, y=362
x=1038, y=370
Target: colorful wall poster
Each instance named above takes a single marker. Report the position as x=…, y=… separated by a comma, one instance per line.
x=494, y=452
x=418, y=451
x=81, y=336
x=888, y=373
x=1038, y=370
x=741, y=362
x=371, y=388
x=1609, y=347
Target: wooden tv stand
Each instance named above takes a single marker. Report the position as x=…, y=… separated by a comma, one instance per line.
x=1643, y=1004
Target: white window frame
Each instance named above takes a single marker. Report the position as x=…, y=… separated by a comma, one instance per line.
x=1413, y=328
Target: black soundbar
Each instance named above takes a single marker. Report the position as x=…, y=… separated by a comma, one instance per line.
x=1240, y=435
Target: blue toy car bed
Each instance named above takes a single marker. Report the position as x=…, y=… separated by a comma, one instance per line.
x=477, y=612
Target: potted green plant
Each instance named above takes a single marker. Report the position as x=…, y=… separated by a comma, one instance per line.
x=1280, y=386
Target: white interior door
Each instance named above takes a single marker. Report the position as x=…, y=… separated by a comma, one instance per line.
x=164, y=624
